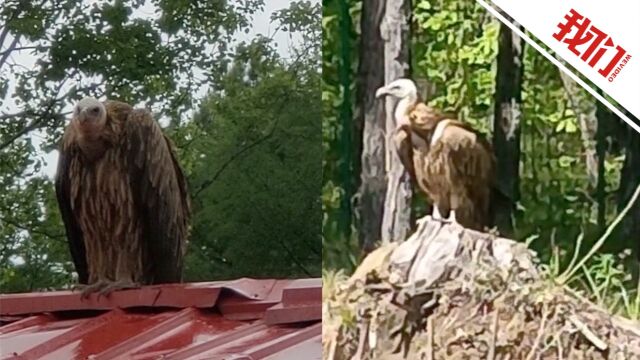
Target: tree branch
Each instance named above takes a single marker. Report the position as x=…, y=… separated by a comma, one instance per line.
x=14, y=115
x=6, y=53
x=23, y=48
x=3, y=35
x=27, y=129
x=217, y=174
x=41, y=116
x=57, y=237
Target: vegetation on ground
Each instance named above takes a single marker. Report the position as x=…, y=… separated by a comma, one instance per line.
x=576, y=166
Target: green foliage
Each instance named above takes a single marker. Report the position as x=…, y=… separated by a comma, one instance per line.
x=606, y=281
x=340, y=22
x=255, y=178
x=255, y=206
x=454, y=47
x=556, y=195
x=33, y=248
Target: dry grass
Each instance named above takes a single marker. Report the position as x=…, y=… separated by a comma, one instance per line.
x=479, y=311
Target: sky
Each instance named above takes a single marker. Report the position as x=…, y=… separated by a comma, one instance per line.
x=261, y=25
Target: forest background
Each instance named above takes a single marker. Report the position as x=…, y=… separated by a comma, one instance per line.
x=228, y=97
x=569, y=168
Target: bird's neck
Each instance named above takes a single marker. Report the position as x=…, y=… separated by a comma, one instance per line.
x=91, y=141
x=439, y=130
x=429, y=136
x=92, y=149
x=402, y=109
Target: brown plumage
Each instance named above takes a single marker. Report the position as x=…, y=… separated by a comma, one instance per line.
x=123, y=198
x=453, y=164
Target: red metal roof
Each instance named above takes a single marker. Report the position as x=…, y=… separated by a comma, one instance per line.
x=242, y=319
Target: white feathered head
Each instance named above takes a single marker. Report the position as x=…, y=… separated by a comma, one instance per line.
x=401, y=88
x=90, y=111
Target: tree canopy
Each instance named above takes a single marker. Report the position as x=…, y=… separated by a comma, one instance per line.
x=232, y=109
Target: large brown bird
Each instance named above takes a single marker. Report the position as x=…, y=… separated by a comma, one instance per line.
x=123, y=198
x=450, y=161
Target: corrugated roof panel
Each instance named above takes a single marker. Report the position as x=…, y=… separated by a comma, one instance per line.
x=246, y=318
x=306, y=350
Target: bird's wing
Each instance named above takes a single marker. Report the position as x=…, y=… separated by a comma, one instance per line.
x=160, y=193
x=425, y=118
x=460, y=162
x=470, y=156
x=72, y=228
x=422, y=117
x=402, y=140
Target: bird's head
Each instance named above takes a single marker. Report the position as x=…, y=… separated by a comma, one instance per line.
x=401, y=89
x=90, y=113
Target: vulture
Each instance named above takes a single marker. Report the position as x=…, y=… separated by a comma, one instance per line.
x=123, y=198
x=453, y=164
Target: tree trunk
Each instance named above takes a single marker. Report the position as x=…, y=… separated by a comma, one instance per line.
x=395, y=30
x=372, y=117
x=629, y=180
x=346, y=121
x=506, y=127
x=603, y=116
x=585, y=107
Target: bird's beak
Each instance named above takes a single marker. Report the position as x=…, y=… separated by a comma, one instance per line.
x=382, y=92
x=82, y=117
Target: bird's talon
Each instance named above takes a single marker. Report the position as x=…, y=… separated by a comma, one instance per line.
x=87, y=290
x=116, y=286
x=104, y=292
x=78, y=287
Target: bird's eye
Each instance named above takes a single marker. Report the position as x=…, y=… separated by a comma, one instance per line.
x=95, y=110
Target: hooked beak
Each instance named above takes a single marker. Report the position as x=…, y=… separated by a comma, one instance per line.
x=382, y=92
x=82, y=116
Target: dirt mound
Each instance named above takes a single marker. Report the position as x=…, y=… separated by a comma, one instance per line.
x=452, y=293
